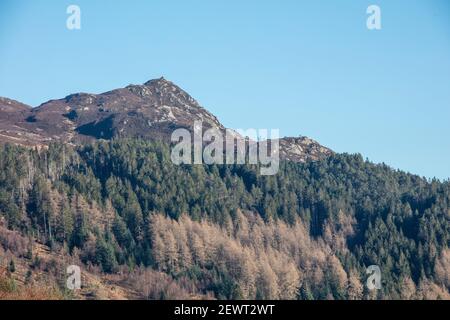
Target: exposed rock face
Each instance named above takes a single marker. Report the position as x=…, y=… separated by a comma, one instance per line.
x=152, y=110
x=302, y=149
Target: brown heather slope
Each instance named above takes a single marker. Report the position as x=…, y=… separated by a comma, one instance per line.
x=41, y=275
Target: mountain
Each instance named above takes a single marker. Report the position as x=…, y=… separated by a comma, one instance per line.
x=152, y=110
x=13, y=115
x=140, y=227
x=103, y=194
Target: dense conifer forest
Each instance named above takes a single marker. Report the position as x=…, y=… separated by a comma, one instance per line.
x=226, y=232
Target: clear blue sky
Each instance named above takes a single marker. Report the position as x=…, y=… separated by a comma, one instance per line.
x=306, y=67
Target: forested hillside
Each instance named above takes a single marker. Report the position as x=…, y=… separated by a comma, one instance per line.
x=122, y=208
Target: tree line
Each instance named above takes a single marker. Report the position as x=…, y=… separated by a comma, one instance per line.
x=308, y=232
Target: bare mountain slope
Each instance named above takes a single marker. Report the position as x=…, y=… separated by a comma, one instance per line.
x=152, y=110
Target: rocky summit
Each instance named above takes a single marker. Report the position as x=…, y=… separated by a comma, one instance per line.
x=151, y=110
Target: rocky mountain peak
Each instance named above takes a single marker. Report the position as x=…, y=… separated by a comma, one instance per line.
x=302, y=149
x=158, y=82
x=151, y=110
